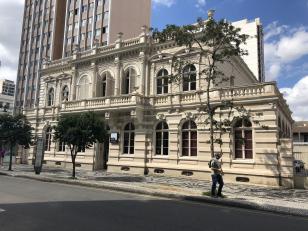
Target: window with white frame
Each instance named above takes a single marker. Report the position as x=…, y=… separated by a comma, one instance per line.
x=189, y=78
x=162, y=82
x=129, y=139
x=61, y=147
x=189, y=138
x=243, y=142
x=50, y=97
x=162, y=139
x=84, y=88
x=48, y=137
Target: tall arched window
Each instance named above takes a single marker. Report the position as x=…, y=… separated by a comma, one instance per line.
x=48, y=137
x=189, y=78
x=83, y=88
x=104, y=86
x=162, y=82
x=51, y=96
x=162, y=139
x=189, y=138
x=243, y=139
x=65, y=93
x=129, y=79
x=129, y=139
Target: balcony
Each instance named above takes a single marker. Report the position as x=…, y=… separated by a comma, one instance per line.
x=110, y=103
x=170, y=100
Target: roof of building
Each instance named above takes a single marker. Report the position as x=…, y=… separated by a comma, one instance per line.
x=301, y=126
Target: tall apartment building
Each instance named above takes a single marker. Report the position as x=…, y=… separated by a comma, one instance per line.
x=254, y=45
x=7, y=87
x=52, y=29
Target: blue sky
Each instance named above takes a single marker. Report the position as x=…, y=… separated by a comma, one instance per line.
x=285, y=24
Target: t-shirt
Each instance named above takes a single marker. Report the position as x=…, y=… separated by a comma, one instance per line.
x=215, y=164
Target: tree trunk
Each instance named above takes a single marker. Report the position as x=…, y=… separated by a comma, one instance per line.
x=211, y=134
x=11, y=157
x=74, y=165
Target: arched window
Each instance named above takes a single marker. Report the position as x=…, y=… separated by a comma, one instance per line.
x=189, y=78
x=51, y=96
x=65, y=93
x=83, y=88
x=128, y=83
x=162, y=139
x=48, y=137
x=162, y=82
x=189, y=138
x=243, y=139
x=104, y=86
x=129, y=139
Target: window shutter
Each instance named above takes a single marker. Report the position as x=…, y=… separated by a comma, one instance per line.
x=110, y=86
x=132, y=80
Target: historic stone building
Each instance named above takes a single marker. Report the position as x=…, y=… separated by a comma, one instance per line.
x=157, y=127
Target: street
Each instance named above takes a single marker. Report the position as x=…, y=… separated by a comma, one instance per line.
x=27, y=205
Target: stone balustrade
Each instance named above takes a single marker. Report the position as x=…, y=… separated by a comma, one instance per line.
x=116, y=102
x=99, y=50
x=169, y=100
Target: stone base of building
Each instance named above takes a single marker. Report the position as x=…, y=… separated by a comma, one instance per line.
x=230, y=176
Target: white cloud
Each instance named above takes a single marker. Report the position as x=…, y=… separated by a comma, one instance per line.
x=297, y=99
x=283, y=45
x=10, y=24
x=167, y=3
x=200, y=5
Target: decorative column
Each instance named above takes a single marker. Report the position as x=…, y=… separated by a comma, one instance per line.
x=74, y=84
x=94, y=78
x=117, y=62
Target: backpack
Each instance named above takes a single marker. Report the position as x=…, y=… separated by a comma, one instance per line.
x=210, y=164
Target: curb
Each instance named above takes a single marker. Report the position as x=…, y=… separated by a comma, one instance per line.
x=200, y=199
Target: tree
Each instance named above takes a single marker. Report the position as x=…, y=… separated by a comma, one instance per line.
x=15, y=130
x=218, y=42
x=78, y=132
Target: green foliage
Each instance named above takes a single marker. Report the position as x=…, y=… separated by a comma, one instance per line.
x=15, y=130
x=217, y=42
x=79, y=131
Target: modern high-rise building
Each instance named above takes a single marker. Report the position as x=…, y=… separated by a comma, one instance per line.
x=53, y=29
x=7, y=87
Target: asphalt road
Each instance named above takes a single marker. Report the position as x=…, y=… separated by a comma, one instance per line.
x=27, y=205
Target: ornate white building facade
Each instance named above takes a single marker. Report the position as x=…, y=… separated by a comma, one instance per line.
x=160, y=125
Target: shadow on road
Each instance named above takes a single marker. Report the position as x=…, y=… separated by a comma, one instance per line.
x=139, y=215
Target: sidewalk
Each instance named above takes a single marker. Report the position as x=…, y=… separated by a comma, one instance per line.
x=283, y=201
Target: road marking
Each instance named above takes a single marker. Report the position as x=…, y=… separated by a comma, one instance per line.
x=2, y=210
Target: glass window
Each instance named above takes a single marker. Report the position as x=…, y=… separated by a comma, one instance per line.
x=162, y=82
x=129, y=139
x=128, y=84
x=51, y=95
x=65, y=93
x=189, y=78
x=162, y=139
x=243, y=142
x=189, y=139
x=48, y=137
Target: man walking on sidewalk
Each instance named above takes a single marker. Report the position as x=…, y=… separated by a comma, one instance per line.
x=217, y=173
